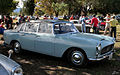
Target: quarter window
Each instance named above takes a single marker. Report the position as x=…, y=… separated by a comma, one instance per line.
x=22, y=27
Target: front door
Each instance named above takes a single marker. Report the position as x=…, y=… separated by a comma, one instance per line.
x=44, y=43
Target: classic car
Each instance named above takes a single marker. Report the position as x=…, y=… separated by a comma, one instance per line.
x=59, y=39
x=9, y=67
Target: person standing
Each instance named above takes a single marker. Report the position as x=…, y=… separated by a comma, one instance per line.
x=83, y=27
x=113, y=22
x=28, y=19
x=94, y=22
x=7, y=22
x=45, y=17
x=107, y=26
x=56, y=17
x=71, y=18
x=19, y=19
x=10, y=23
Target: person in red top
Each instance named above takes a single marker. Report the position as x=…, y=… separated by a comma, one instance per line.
x=71, y=18
x=1, y=25
x=45, y=17
x=94, y=22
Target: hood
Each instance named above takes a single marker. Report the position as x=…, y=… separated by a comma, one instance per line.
x=92, y=36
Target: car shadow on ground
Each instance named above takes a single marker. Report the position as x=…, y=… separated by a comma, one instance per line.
x=40, y=64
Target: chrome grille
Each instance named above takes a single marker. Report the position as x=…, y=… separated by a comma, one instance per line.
x=107, y=49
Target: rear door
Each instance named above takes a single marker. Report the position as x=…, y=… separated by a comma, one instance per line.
x=27, y=36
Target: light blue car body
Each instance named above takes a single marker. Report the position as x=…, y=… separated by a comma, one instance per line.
x=57, y=44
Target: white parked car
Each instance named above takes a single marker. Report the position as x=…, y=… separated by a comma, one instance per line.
x=78, y=25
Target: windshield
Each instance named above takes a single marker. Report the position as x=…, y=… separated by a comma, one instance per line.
x=62, y=28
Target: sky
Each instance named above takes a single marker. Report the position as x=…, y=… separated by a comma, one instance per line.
x=20, y=4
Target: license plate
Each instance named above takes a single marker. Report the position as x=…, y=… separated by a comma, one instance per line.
x=110, y=56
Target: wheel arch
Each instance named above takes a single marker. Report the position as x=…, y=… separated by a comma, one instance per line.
x=13, y=41
x=69, y=49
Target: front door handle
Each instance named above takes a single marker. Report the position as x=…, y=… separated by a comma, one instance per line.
x=37, y=36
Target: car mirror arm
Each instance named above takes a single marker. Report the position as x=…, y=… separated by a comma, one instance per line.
x=10, y=52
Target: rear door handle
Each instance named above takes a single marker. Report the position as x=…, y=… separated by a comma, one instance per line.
x=22, y=34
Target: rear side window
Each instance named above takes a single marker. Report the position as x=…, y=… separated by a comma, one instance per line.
x=31, y=27
x=45, y=28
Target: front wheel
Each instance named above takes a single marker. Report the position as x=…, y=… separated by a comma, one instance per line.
x=76, y=58
x=16, y=47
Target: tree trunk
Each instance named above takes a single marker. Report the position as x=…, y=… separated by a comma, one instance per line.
x=56, y=13
x=83, y=11
x=69, y=11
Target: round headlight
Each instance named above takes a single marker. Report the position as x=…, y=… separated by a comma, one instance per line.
x=99, y=47
x=17, y=71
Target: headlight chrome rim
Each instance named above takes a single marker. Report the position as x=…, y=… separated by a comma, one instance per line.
x=98, y=48
x=17, y=71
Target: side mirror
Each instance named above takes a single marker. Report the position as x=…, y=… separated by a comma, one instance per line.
x=10, y=52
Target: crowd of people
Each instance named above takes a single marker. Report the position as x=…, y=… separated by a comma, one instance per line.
x=7, y=22
x=95, y=22
x=110, y=22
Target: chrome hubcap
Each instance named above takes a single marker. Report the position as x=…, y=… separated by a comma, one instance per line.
x=16, y=47
x=77, y=57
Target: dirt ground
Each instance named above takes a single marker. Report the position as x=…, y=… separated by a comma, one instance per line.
x=39, y=64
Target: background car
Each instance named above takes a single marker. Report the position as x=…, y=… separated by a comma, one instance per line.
x=78, y=25
x=102, y=26
x=60, y=39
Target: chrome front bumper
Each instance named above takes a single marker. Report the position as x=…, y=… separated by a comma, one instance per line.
x=101, y=57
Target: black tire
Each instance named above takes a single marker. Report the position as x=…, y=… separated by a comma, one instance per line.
x=16, y=47
x=77, y=58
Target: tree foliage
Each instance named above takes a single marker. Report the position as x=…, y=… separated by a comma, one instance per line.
x=7, y=6
x=38, y=11
x=80, y=6
x=29, y=6
x=107, y=6
x=58, y=7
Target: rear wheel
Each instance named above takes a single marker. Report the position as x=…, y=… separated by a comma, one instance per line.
x=76, y=58
x=16, y=47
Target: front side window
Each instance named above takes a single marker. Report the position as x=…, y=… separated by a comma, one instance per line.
x=62, y=28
